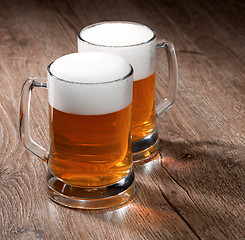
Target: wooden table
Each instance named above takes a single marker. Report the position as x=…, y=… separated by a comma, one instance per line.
x=195, y=189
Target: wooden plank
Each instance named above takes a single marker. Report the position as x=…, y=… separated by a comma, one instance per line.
x=195, y=191
x=203, y=147
x=26, y=212
x=217, y=29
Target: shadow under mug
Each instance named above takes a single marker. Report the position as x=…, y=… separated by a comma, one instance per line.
x=90, y=155
x=137, y=44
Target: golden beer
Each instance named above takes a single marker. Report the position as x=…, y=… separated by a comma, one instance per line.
x=90, y=107
x=90, y=150
x=137, y=44
x=143, y=115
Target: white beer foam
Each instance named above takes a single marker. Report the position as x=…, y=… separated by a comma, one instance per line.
x=135, y=42
x=117, y=34
x=88, y=83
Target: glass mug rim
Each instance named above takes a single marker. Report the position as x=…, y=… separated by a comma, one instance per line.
x=125, y=78
x=116, y=46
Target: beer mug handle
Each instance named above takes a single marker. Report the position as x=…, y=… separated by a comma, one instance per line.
x=24, y=116
x=167, y=102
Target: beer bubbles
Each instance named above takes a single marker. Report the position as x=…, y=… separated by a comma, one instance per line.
x=81, y=82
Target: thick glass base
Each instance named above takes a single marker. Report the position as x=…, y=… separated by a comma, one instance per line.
x=90, y=198
x=146, y=149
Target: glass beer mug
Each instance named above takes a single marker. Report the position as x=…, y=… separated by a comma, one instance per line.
x=90, y=156
x=137, y=44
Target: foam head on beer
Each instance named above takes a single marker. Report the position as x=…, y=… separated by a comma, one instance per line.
x=89, y=83
x=135, y=42
x=117, y=34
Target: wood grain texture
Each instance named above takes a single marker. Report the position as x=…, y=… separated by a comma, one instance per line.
x=195, y=189
x=217, y=29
